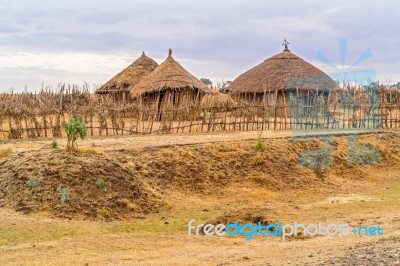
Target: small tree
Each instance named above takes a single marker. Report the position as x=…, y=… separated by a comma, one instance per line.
x=206, y=82
x=226, y=84
x=74, y=128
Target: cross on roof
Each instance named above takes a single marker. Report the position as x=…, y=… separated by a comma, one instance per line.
x=285, y=42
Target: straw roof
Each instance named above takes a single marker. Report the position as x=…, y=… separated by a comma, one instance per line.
x=216, y=99
x=278, y=72
x=131, y=75
x=169, y=75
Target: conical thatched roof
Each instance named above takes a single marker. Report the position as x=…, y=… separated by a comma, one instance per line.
x=131, y=75
x=277, y=72
x=217, y=99
x=169, y=75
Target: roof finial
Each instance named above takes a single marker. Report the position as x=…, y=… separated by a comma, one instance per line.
x=143, y=53
x=285, y=42
x=170, y=52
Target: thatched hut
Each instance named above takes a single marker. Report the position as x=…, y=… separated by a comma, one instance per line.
x=170, y=87
x=217, y=100
x=268, y=82
x=120, y=84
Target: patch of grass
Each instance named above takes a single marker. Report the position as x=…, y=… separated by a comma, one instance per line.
x=167, y=152
x=46, y=194
x=104, y=213
x=54, y=144
x=64, y=195
x=16, y=164
x=29, y=193
x=24, y=232
x=187, y=153
x=260, y=145
x=5, y=152
x=100, y=183
x=33, y=182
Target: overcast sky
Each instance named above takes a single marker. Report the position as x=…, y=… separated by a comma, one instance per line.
x=91, y=40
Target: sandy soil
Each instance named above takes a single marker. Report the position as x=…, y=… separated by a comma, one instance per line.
x=110, y=144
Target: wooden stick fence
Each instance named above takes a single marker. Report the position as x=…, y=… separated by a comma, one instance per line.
x=43, y=114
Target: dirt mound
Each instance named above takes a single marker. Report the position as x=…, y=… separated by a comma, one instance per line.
x=86, y=185
x=210, y=168
x=137, y=181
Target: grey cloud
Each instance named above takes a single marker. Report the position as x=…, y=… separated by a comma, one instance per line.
x=239, y=32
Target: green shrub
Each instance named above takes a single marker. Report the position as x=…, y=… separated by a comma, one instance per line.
x=33, y=182
x=54, y=144
x=260, y=146
x=100, y=183
x=64, y=195
x=75, y=129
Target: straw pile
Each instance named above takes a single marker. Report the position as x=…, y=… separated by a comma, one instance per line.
x=217, y=100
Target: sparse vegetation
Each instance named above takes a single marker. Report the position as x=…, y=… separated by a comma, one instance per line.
x=100, y=183
x=260, y=146
x=33, y=182
x=64, y=195
x=54, y=144
x=16, y=164
x=29, y=193
x=5, y=152
x=75, y=129
x=88, y=151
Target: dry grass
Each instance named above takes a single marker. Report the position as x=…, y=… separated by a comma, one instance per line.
x=169, y=75
x=217, y=100
x=130, y=76
x=5, y=152
x=88, y=151
x=277, y=72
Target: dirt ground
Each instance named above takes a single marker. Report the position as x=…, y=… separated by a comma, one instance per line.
x=211, y=177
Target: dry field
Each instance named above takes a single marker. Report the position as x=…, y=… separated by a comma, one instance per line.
x=207, y=177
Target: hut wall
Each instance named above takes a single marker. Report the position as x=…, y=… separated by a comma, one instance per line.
x=169, y=104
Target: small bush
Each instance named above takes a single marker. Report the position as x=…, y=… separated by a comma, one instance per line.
x=29, y=193
x=64, y=195
x=33, y=182
x=100, y=183
x=54, y=144
x=75, y=129
x=17, y=165
x=260, y=146
x=5, y=152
